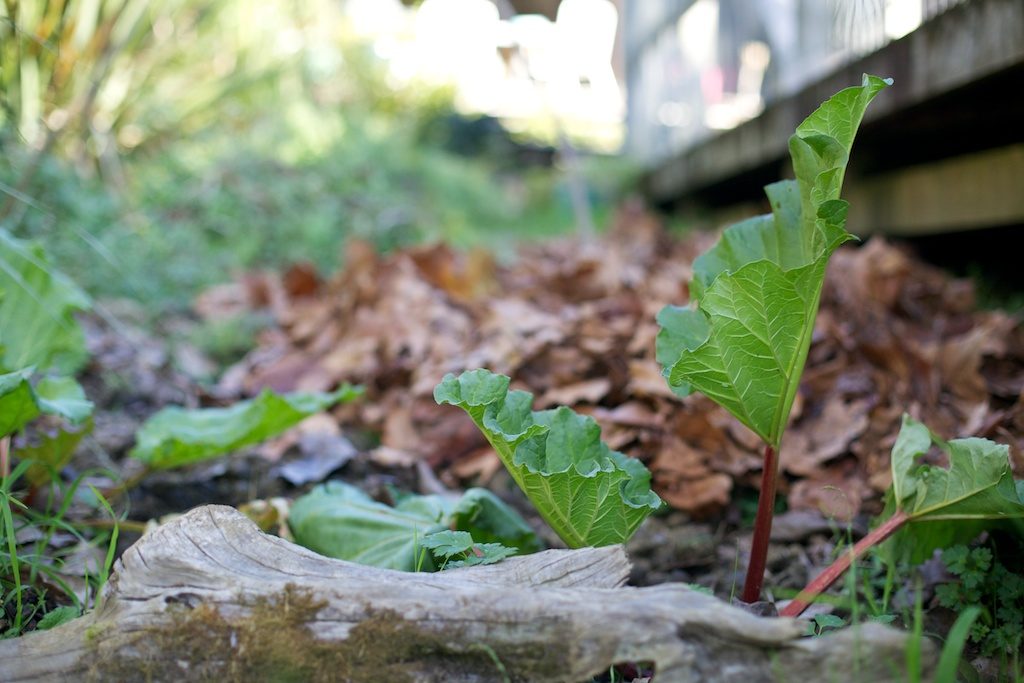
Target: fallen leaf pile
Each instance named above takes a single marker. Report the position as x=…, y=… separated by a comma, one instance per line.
x=575, y=324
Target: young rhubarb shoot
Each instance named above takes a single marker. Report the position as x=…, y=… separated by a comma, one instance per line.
x=756, y=293
x=340, y=520
x=933, y=507
x=175, y=437
x=588, y=493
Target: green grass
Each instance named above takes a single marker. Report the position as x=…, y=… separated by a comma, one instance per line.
x=197, y=213
x=872, y=586
x=33, y=585
x=953, y=649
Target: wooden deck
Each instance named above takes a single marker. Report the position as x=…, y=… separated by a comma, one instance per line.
x=943, y=150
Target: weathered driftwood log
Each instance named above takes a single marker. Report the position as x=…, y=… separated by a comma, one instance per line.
x=209, y=597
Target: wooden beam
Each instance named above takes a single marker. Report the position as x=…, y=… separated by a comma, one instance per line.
x=963, y=45
x=979, y=190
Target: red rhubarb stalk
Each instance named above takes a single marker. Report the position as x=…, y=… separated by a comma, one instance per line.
x=836, y=569
x=762, y=527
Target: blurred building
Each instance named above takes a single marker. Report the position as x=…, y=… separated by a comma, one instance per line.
x=716, y=87
x=704, y=94
x=543, y=66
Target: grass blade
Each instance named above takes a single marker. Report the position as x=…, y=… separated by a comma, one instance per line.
x=952, y=651
x=112, y=547
x=8, y=519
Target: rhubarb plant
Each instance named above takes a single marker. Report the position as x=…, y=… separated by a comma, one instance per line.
x=931, y=507
x=41, y=346
x=744, y=340
x=21, y=402
x=339, y=520
x=588, y=493
x=175, y=436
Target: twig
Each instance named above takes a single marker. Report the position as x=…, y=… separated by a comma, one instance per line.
x=124, y=524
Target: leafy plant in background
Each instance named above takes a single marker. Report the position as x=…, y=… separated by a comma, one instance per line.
x=240, y=208
x=111, y=73
x=745, y=340
x=588, y=493
x=933, y=507
x=133, y=112
x=21, y=402
x=37, y=303
x=175, y=436
x=40, y=345
x=38, y=333
x=341, y=521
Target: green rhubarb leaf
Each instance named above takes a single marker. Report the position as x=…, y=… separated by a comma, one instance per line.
x=37, y=303
x=978, y=484
x=489, y=520
x=175, y=436
x=756, y=292
x=950, y=505
x=20, y=402
x=65, y=397
x=588, y=493
x=340, y=521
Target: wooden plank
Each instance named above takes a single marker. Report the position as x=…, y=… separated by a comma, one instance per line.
x=969, y=191
x=966, y=44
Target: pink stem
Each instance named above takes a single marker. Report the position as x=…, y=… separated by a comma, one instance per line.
x=762, y=527
x=836, y=569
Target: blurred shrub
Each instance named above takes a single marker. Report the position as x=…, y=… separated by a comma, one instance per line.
x=188, y=218
x=103, y=76
x=156, y=148
x=95, y=76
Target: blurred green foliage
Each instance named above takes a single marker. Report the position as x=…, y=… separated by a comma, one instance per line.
x=158, y=148
x=93, y=77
